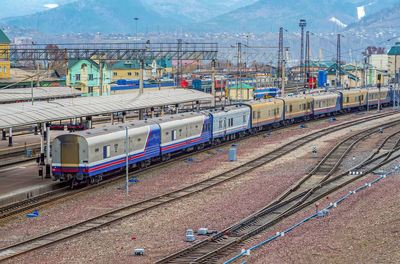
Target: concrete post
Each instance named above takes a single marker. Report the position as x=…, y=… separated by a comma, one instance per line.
x=283, y=78
x=177, y=108
x=162, y=110
x=124, y=117
x=4, y=134
x=152, y=112
x=112, y=118
x=42, y=137
x=141, y=77
x=10, y=144
x=89, y=119
x=48, y=173
x=101, y=79
x=213, y=83
x=36, y=130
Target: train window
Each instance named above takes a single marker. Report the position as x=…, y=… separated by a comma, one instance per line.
x=173, y=135
x=308, y=105
x=115, y=147
x=231, y=121
x=167, y=133
x=347, y=99
x=258, y=114
x=304, y=106
x=220, y=123
x=269, y=113
x=106, y=151
x=96, y=150
x=139, y=139
x=290, y=108
x=180, y=132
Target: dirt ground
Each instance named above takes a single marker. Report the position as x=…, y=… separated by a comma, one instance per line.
x=161, y=231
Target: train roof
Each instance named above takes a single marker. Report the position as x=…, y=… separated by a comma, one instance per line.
x=135, y=124
x=224, y=108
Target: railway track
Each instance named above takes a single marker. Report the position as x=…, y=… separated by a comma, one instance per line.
x=63, y=191
x=311, y=188
x=142, y=206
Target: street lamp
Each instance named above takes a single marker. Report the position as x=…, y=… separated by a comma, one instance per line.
x=136, y=19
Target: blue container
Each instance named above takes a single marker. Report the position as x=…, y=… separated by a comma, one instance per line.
x=232, y=154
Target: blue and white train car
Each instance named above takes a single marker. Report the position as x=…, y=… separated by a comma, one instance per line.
x=91, y=153
x=184, y=132
x=326, y=103
x=230, y=122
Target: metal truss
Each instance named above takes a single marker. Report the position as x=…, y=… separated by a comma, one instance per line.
x=112, y=51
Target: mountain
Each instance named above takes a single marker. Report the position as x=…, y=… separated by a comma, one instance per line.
x=385, y=19
x=196, y=10
x=269, y=15
x=94, y=16
x=22, y=7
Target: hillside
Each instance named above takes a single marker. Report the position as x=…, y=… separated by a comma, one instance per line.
x=94, y=16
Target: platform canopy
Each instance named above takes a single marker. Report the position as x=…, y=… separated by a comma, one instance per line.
x=38, y=93
x=20, y=114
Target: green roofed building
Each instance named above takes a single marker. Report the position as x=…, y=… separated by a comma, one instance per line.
x=394, y=59
x=4, y=58
x=241, y=91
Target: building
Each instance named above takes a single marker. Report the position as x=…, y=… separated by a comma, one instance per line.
x=379, y=61
x=394, y=59
x=85, y=75
x=5, y=57
x=20, y=78
x=242, y=91
x=128, y=70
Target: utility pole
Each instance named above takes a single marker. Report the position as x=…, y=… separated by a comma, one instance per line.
x=239, y=61
x=307, y=63
x=179, y=70
x=213, y=83
x=283, y=78
x=302, y=25
x=280, y=53
x=338, y=67
x=136, y=24
x=101, y=78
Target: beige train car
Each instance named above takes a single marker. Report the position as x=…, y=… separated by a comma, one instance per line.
x=353, y=98
x=265, y=112
x=298, y=107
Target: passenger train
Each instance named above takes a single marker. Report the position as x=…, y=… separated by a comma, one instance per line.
x=86, y=156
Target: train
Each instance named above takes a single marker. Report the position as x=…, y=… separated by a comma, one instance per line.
x=85, y=157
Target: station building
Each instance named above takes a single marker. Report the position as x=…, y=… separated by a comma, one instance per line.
x=84, y=75
x=4, y=58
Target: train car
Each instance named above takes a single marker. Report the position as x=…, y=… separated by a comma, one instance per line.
x=353, y=99
x=85, y=156
x=184, y=132
x=297, y=108
x=373, y=97
x=265, y=113
x=326, y=103
x=229, y=122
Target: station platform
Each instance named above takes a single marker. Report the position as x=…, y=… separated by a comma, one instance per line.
x=22, y=181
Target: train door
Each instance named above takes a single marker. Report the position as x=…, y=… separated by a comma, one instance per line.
x=69, y=151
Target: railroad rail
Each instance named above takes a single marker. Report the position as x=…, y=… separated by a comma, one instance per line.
x=312, y=187
x=142, y=206
x=63, y=192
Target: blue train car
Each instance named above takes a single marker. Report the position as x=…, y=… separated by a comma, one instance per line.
x=229, y=122
x=91, y=153
x=184, y=132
